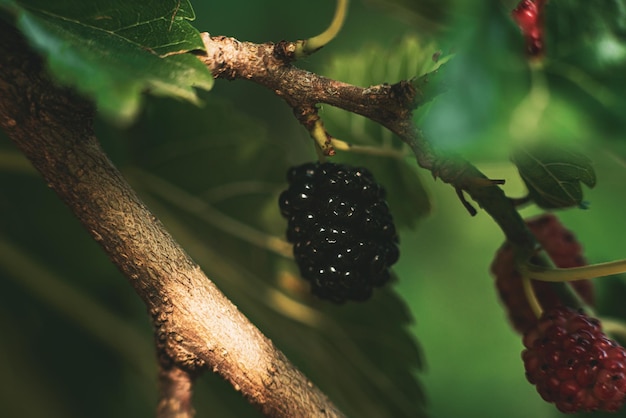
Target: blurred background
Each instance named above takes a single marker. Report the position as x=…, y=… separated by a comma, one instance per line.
x=77, y=341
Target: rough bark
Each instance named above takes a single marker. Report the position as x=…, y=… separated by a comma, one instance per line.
x=196, y=326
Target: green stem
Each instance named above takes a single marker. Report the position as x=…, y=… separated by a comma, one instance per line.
x=591, y=271
x=531, y=297
x=309, y=46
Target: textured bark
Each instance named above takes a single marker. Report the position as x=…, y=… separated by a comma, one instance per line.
x=196, y=326
x=269, y=65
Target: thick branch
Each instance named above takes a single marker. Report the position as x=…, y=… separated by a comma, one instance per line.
x=268, y=65
x=196, y=326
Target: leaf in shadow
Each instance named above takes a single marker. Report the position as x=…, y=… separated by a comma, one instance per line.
x=362, y=355
x=554, y=176
x=114, y=52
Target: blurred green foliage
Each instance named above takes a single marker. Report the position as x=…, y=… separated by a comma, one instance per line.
x=68, y=315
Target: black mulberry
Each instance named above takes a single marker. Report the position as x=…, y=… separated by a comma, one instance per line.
x=343, y=234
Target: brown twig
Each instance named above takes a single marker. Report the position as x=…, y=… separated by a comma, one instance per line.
x=176, y=388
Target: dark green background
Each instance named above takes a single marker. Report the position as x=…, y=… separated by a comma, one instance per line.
x=56, y=355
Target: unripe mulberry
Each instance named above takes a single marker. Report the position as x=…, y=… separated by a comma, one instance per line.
x=564, y=250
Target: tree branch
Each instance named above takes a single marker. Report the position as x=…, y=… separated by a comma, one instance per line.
x=390, y=105
x=269, y=65
x=196, y=326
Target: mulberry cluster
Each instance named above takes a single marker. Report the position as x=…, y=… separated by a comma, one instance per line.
x=564, y=250
x=573, y=363
x=343, y=234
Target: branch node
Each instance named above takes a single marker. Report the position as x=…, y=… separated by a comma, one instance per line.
x=404, y=93
x=285, y=51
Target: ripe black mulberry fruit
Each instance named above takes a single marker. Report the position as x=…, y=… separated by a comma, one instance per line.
x=344, y=239
x=573, y=363
x=564, y=250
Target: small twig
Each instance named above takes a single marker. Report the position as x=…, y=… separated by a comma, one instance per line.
x=468, y=206
x=176, y=389
x=322, y=138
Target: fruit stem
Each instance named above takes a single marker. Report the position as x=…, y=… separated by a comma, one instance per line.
x=309, y=46
x=547, y=274
x=531, y=297
x=322, y=139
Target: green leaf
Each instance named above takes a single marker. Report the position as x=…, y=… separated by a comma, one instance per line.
x=114, y=52
x=410, y=57
x=553, y=175
x=372, y=340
